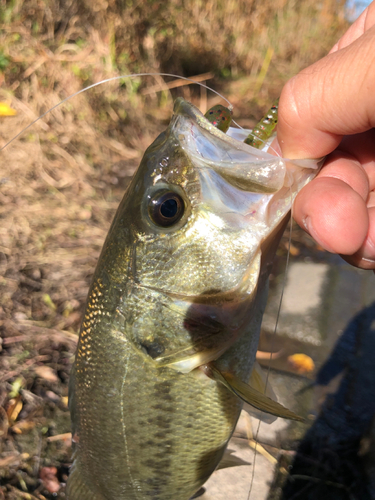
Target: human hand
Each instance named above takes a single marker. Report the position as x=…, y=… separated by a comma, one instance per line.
x=329, y=109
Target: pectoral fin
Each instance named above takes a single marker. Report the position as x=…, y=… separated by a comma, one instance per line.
x=267, y=418
x=251, y=395
x=258, y=381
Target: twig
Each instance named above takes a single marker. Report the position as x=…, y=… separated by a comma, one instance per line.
x=38, y=456
x=11, y=374
x=60, y=437
x=177, y=83
x=14, y=340
x=269, y=355
x=22, y=494
x=5, y=462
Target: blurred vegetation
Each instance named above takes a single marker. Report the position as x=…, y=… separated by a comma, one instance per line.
x=188, y=37
x=92, y=39
x=61, y=181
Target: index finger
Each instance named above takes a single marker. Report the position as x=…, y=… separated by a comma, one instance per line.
x=332, y=98
x=365, y=21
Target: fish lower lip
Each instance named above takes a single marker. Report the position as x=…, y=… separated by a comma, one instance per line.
x=208, y=297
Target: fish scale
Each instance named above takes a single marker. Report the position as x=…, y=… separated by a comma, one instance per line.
x=171, y=327
x=169, y=413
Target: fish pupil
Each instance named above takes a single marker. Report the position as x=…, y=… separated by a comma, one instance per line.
x=169, y=208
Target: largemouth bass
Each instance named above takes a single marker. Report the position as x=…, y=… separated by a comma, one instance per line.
x=172, y=322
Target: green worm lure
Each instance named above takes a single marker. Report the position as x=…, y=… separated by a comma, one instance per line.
x=221, y=118
x=264, y=128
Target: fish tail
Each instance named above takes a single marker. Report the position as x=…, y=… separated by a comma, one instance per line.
x=77, y=489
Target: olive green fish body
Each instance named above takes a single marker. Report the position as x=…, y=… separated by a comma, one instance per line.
x=177, y=299
x=146, y=434
x=142, y=431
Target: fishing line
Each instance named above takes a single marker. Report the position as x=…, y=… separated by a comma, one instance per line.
x=276, y=153
x=114, y=78
x=273, y=339
x=237, y=124
x=230, y=106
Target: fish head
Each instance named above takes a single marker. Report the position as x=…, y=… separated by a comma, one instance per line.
x=201, y=205
x=195, y=231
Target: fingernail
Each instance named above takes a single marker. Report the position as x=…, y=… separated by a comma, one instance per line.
x=309, y=228
x=368, y=253
x=367, y=259
x=363, y=263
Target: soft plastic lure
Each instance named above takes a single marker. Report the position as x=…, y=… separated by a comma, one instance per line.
x=221, y=118
x=264, y=129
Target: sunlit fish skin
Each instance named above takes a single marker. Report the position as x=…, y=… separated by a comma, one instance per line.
x=176, y=300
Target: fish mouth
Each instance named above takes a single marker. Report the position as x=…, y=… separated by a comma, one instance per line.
x=241, y=165
x=246, y=194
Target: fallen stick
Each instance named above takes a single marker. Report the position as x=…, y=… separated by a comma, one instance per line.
x=177, y=83
x=60, y=437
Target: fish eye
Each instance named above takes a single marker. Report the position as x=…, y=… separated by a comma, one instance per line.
x=166, y=208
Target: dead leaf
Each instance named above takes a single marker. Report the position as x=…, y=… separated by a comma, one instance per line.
x=6, y=110
x=14, y=408
x=61, y=437
x=5, y=462
x=46, y=373
x=23, y=426
x=301, y=363
x=292, y=249
x=85, y=214
x=49, y=302
x=4, y=423
x=48, y=476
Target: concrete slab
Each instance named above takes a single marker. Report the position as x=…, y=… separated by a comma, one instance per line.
x=303, y=295
x=235, y=483
x=319, y=301
x=306, y=277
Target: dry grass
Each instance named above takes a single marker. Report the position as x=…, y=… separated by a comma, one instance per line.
x=61, y=181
